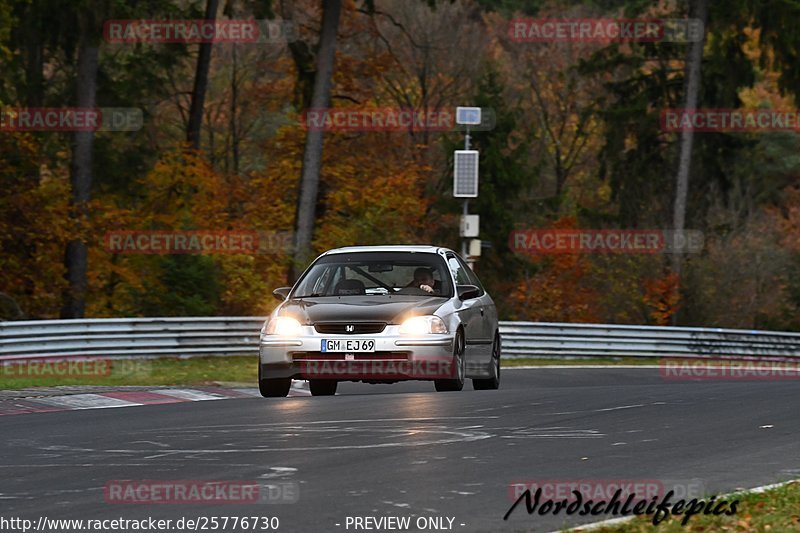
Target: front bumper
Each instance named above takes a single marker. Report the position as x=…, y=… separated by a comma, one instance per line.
x=396, y=357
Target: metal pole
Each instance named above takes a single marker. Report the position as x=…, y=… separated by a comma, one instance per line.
x=466, y=206
x=464, y=239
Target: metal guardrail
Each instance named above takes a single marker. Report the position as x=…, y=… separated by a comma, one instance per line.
x=539, y=339
x=110, y=337
x=188, y=337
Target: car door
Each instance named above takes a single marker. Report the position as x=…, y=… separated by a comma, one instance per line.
x=469, y=313
x=488, y=309
x=482, y=344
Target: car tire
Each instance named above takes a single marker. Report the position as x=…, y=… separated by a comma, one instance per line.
x=273, y=388
x=323, y=387
x=454, y=385
x=493, y=382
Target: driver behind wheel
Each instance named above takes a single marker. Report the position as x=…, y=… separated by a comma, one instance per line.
x=423, y=279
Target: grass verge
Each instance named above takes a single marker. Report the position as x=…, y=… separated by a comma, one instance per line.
x=609, y=361
x=166, y=371
x=774, y=510
x=193, y=371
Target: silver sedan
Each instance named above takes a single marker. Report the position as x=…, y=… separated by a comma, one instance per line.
x=382, y=314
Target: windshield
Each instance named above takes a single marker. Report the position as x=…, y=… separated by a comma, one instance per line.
x=359, y=274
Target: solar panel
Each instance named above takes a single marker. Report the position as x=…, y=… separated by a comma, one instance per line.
x=465, y=174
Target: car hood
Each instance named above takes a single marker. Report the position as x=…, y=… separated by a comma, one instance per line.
x=389, y=309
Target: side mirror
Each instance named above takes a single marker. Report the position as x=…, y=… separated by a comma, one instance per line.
x=467, y=292
x=281, y=293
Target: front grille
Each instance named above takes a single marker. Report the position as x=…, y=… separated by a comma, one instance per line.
x=349, y=328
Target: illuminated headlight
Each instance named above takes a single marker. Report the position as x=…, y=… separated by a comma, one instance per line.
x=284, y=326
x=420, y=325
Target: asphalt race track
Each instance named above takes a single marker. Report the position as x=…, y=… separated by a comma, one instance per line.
x=405, y=450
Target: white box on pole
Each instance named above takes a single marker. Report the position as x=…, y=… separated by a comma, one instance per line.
x=475, y=248
x=469, y=226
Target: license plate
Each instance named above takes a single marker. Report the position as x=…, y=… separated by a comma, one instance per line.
x=348, y=345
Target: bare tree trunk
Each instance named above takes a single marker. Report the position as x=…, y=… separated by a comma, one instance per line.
x=234, y=106
x=698, y=10
x=9, y=308
x=303, y=61
x=34, y=56
x=75, y=259
x=200, y=83
x=312, y=156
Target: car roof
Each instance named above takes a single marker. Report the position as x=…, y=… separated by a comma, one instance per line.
x=419, y=248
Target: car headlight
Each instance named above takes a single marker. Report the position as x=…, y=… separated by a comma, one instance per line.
x=284, y=326
x=420, y=325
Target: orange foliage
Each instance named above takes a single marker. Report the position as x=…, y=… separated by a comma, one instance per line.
x=594, y=288
x=374, y=193
x=662, y=297
x=557, y=292
x=788, y=218
x=183, y=192
x=34, y=229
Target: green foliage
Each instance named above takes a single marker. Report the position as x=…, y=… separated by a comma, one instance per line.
x=186, y=285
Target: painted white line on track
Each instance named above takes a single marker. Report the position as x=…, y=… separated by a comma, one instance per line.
x=620, y=407
x=249, y=392
x=86, y=401
x=191, y=395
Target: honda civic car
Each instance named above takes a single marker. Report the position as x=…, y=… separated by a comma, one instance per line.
x=381, y=314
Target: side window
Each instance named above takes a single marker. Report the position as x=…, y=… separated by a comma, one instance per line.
x=462, y=278
x=473, y=278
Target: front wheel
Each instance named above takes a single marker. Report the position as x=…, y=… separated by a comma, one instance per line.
x=493, y=382
x=323, y=387
x=452, y=385
x=273, y=388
